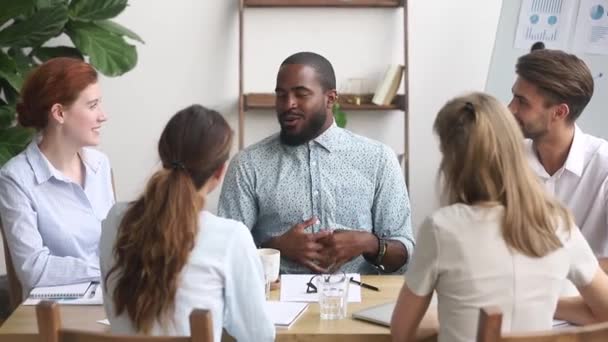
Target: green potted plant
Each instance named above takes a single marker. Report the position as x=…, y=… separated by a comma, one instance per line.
x=26, y=26
x=339, y=115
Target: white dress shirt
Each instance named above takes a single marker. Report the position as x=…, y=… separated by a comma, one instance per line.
x=460, y=253
x=52, y=225
x=582, y=186
x=223, y=274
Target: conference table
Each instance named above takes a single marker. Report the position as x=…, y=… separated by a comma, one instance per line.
x=309, y=327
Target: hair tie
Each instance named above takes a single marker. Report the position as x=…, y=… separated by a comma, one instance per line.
x=176, y=165
x=469, y=108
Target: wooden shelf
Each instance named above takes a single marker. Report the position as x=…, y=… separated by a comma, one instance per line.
x=323, y=3
x=253, y=101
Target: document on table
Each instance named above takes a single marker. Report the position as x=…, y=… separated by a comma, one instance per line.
x=284, y=314
x=104, y=321
x=293, y=288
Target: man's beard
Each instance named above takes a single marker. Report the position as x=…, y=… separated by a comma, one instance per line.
x=533, y=132
x=310, y=130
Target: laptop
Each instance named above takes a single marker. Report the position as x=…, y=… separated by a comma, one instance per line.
x=379, y=314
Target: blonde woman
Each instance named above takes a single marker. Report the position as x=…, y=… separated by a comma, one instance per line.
x=499, y=241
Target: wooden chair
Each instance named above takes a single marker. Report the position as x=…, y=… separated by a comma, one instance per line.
x=15, y=290
x=490, y=322
x=49, y=327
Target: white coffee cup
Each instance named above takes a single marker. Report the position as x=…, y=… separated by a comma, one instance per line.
x=271, y=261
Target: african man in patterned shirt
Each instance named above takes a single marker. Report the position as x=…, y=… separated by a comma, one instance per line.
x=326, y=198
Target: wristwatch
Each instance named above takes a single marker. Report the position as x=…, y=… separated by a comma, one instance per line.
x=382, y=246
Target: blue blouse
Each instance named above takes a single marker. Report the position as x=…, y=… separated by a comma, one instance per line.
x=52, y=225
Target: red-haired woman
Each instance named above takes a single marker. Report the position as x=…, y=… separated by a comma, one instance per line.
x=54, y=195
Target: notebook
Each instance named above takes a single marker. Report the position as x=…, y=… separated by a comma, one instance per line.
x=284, y=314
x=379, y=314
x=62, y=291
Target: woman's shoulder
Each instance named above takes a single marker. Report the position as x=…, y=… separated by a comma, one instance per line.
x=460, y=216
x=17, y=167
x=221, y=238
x=224, y=226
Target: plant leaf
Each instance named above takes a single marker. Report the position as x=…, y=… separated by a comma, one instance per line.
x=8, y=71
x=13, y=8
x=40, y=4
x=7, y=116
x=10, y=93
x=45, y=53
x=118, y=29
x=109, y=53
x=96, y=10
x=23, y=62
x=35, y=30
x=14, y=139
x=339, y=115
x=5, y=155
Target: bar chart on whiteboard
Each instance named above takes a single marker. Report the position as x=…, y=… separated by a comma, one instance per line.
x=548, y=21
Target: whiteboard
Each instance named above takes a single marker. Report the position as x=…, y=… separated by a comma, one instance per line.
x=594, y=120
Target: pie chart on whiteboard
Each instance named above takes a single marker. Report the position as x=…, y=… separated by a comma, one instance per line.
x=597, y=12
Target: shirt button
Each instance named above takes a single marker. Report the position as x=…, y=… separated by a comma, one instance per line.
x=313, y=163
x=316, y=193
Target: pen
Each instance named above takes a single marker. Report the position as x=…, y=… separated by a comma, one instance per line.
x=94, y=285
x=367, y=286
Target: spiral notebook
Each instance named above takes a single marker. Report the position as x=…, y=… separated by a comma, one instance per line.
x=63, y=291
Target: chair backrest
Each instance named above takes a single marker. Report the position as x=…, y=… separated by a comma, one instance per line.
x=490, y=323
x=113, y=183
x=15, y=291
x=49, y=328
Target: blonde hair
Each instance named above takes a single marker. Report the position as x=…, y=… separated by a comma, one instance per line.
x=483, y=161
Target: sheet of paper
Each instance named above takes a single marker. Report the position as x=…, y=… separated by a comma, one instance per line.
x=547, y=21
x=104, y=321
x=284, y=314
x=293, y=288
x=591, y=34
x=88, y=299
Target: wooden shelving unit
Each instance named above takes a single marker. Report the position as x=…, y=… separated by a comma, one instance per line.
x=265, y=101
x=262, y=101
x=323, y=3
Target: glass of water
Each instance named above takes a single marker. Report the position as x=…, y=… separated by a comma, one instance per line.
x=333, y=295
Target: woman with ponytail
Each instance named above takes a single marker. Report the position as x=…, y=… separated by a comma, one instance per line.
x=163, y=255
x=500, y=240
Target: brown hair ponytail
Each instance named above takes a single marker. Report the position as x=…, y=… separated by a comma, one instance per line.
x=158, y=231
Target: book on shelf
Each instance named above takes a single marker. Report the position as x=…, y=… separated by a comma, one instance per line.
x=388, y=87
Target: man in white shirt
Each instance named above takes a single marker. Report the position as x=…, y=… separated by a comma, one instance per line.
x=550, y=93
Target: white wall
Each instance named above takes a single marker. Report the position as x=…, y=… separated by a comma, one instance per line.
x=451, y=47
x=190, y=56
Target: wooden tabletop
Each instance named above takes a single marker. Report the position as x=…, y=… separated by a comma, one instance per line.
x=308, y=327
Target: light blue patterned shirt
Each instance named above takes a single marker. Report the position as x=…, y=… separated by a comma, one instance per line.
x=347, y=181
x=52, y=225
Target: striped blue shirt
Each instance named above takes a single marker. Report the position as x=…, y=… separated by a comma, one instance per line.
x=345, y=180
x=52, y=225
